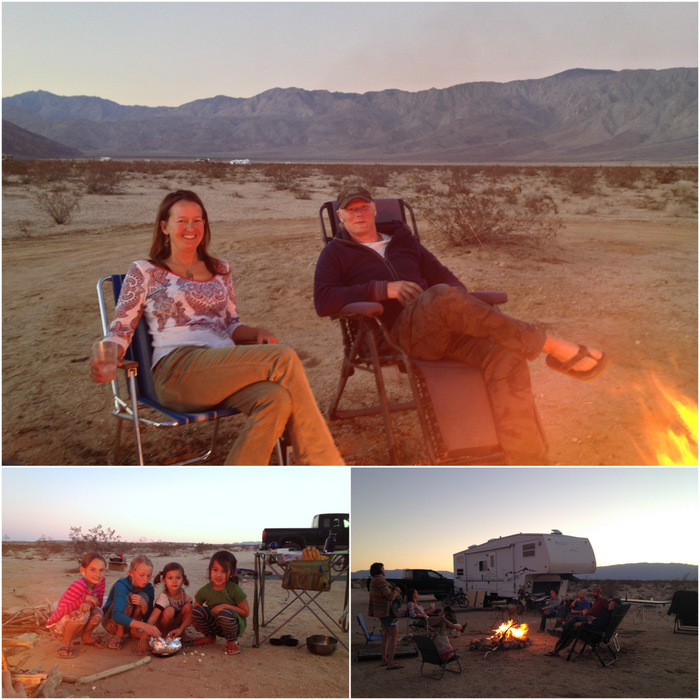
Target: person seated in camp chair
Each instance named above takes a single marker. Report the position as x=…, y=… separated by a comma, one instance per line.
x=586, y=613
x=576, y=609
x=550, y=608
x=596, y=625
x=430, y=314
x=203, y=355
x=437, y=621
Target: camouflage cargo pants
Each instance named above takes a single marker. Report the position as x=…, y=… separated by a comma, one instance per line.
x=448, y=323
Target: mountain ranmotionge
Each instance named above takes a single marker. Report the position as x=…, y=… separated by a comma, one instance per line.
x=577, y=116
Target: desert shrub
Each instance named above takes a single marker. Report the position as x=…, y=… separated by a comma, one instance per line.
x=94, y=540
x=622, y=176
x=46, y=546
x=102, y=178
x=578, y=180
x=202, y=547
x=163, y=549
x=470, y=220
x=55, y=170
x=59, y=204
x=284, y=176
x=686, y=192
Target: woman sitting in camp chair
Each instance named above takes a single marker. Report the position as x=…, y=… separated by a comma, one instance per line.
x=203, y=356
x=437, y=622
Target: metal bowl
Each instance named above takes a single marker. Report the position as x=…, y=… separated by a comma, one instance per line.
x=165, y=647
x=321, y=644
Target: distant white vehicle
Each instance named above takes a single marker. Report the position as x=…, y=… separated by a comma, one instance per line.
x=504, y=565
x=103, y=158
x=240, y=161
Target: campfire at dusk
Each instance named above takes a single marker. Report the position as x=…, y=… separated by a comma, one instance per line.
x=506, y=637
x=672, y=429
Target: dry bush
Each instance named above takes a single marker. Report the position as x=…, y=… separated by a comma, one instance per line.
x=102, y=177
x=59, y=204
x=579, y=180
x=96, y=539
x=471, y=220
x=622, y=176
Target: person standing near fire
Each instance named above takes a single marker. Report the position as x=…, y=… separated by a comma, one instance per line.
x=384, y=601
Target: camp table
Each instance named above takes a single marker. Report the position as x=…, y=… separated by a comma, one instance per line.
x=270, y=561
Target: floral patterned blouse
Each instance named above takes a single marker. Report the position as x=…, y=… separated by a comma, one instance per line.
x=178, y=311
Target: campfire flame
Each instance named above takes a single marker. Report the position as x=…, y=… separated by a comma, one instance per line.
x=675, y=445
x=510, y=631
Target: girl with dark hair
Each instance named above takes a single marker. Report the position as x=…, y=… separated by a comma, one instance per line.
x=203, y=356
x=172, y=611
x=221, y=607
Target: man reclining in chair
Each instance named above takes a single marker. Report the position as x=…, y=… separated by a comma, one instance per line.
x=430, y=314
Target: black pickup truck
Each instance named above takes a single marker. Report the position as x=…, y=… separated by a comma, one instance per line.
x=334, y=525
x=425, y=581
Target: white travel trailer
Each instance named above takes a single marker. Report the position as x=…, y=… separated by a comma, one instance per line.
x=537, y=562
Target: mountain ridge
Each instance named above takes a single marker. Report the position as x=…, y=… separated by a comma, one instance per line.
x=578, y=115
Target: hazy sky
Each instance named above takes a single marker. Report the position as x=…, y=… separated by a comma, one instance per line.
x=179, y=504
x=162, y=53
x=419, y=518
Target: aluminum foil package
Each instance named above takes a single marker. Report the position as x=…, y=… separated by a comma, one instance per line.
x=165, y=647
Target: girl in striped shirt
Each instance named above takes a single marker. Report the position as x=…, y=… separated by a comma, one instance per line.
x=79, y=611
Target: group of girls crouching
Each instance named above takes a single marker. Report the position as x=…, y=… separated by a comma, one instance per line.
x=219, y=608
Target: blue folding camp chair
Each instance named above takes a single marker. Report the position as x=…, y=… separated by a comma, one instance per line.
x=140, y=390
x=453, y=405
x=369, y=636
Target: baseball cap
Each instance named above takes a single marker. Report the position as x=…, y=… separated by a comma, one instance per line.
x=350, y=192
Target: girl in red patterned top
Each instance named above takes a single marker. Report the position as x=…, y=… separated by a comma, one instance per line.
x=79, y=611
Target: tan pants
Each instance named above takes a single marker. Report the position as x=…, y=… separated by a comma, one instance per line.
x=267, y=383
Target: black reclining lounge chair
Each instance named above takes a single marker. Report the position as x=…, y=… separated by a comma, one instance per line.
x=606, y=640
x=453, y=405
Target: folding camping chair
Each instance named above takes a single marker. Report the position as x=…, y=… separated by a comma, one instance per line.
x=140, y=393
x=606, y=640
x=418, y=628
x=684, y=605
x=453, y=405
x=431, y=655
x=369, y=636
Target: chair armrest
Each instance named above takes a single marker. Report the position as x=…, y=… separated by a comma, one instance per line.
x=127, y=364
x=362, y=308
x=491, y=297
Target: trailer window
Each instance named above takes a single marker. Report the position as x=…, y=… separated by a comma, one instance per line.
x=484, y=565
x=529, y=550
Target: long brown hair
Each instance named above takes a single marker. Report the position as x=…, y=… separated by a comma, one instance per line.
x=160, y=248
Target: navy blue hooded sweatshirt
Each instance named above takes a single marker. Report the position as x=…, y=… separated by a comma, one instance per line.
x=348, y=272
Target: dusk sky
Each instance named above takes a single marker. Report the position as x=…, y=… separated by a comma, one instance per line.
x=179, y=504
x=168, y=54
x=419, y=518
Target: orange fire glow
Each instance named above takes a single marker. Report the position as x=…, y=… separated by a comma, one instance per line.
x=678, y=445
x=510, y=631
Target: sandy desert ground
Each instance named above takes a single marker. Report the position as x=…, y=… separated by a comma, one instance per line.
x=621, y=276
x=204, y=671
x=653, y=662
